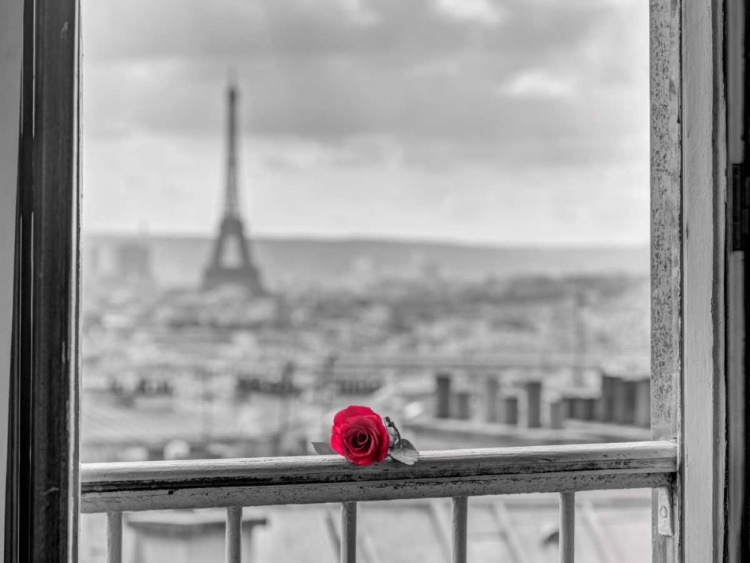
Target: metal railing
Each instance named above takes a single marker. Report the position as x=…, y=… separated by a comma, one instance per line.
x=114, y=488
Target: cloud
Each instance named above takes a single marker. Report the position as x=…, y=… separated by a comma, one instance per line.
x=537, y=83
x=417, y=86
x=331, y=69
x=313, y=28
x=479, y=11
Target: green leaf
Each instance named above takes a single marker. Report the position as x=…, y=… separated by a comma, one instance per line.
x=322, y=448
x=405, y=452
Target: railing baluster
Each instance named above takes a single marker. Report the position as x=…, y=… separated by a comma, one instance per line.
x=348, y=532
x=234, y=534
x=567, y=527
x=114, y=537
x=460, y=521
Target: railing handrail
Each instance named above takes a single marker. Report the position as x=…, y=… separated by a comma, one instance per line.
x=107, y=487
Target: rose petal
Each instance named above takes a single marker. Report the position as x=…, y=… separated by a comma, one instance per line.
x=336, y=444
x=353, y=410
x=360, y=435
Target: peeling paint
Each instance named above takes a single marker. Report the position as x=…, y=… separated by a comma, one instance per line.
x=666, y=241
x=666, y=216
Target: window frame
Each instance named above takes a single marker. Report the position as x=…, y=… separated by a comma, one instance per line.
x=690, y=305
x=692, y=309
x=737, y=415
x=702, y=434
x=42, y=489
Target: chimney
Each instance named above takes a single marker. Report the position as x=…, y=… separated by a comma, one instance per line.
x=510, y=410
x=643, y=403
x=443, y=395
x=463, y=405
x=568, y=407
x=585, y=407
x=491, y=396
x=605, y=408
x=556, y=414
x=533, y=404
x=629, y=399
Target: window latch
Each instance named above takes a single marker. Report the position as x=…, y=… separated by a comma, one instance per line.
x=664, y=507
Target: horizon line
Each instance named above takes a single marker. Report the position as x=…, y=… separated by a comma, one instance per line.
x=394, y=239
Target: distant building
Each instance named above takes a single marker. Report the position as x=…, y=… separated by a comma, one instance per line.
x=238, y=270
x=133, y=262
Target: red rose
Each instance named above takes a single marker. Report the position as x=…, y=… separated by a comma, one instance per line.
x=359, y=434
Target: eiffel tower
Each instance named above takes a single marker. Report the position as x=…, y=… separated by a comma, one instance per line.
x=243, y=272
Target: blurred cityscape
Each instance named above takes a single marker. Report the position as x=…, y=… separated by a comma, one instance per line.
x=463, y=346
x=227, y=374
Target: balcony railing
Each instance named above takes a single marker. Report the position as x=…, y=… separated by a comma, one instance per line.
x=114, y=488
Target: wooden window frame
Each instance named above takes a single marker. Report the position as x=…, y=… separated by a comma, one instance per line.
x=690, y=276
x=737, y=283
x=42, y=491
x=697, y=280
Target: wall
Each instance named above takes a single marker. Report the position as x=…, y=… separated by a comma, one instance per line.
x=11, y=18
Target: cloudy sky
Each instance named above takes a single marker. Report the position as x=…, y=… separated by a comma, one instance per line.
x=503, y=121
